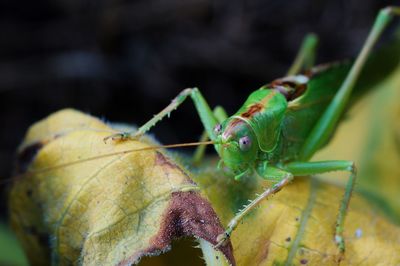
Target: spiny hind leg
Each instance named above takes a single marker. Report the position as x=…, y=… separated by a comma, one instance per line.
x=313, y=168
x=206, y=115
x=220, y=114
x=327, y=123
x=305, y=57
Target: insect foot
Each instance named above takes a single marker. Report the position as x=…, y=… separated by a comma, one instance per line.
x=118, y=136
x=340, y=242
x=121, y=137
x=222, y=239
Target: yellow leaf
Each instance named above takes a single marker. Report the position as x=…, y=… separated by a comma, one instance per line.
x=297, y=225
x=108, y=210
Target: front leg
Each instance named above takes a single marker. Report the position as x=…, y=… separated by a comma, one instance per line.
x=312, y=168
x=206, y=115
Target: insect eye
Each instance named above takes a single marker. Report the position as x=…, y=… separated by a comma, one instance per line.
x=218, y=129
x=244, y=143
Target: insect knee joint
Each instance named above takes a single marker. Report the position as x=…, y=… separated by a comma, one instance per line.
x=352, y=168
x=289, y=177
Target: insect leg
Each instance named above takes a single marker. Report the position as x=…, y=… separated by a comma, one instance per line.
x=327, y=123
x=206, y=115
x=270, y=173
x=306, y=55
x=220, y=114
x=312, y=168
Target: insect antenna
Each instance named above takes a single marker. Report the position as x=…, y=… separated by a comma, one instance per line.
x=59, y=166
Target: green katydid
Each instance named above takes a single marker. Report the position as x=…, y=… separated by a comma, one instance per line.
x=281, y=125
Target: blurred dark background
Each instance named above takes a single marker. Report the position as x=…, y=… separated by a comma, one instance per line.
x=125, y=60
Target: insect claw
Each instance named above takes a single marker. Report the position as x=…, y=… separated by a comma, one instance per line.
x=105, y=139
x=340, y=243
x=222, y=239
x=117, y=136
x=122, y=137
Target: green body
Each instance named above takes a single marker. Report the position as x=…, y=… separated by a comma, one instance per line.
x=280, y=126
x=282, y=114
x=278, y=117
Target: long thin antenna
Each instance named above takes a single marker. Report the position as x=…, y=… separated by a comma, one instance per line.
x=46, y=169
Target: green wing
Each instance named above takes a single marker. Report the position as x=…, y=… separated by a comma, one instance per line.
x=303, y=112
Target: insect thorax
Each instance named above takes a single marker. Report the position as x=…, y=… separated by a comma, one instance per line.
x=265, y=110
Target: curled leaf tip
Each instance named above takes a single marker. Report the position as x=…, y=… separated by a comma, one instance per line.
x=188, y=214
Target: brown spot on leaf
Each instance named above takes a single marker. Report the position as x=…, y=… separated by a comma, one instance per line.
x=28, y=153
x=303, y=261
x=26, y=156
x=187, y=215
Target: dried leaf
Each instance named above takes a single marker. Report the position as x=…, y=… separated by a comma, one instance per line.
x=109, y=211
